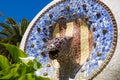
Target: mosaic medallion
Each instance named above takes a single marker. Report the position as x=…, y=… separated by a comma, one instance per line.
x=72, y=37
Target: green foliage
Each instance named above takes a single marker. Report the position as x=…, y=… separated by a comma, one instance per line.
x=15, y=52
x=10, y=72
x=4, y=63
x=12, y=33
x=20, y=70
x=32, y=77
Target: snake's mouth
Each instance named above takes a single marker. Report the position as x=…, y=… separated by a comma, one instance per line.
x=53, y=54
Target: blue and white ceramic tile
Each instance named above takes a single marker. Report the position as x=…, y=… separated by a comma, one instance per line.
x=35, y=45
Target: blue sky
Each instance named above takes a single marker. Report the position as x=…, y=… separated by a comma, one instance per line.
x=18, y=9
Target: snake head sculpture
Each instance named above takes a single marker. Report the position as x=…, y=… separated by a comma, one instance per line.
x=69, y=49
x=57, y=45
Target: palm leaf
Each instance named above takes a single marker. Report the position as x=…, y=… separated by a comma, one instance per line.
x=23, y=26
x=4, y=34
x=14, y=25
x=11, y=21
x=16, y=30
x=6, y=27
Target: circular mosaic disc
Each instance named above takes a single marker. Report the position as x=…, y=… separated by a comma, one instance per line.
x=70, y=37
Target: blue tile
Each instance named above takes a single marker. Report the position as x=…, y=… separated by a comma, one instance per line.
x=104, y=42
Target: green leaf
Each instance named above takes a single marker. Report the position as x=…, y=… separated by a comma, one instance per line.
x=22, y=69
x=28, y=76
x=9, y=72
x=15, y=52
x=31, y=76
x=36, y=64
x=30, y=67
x=4, y=63
x=33, y=65
x=41, y=78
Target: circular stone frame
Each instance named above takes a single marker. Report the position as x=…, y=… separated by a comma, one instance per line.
x=109, y=56
x=56, y=2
